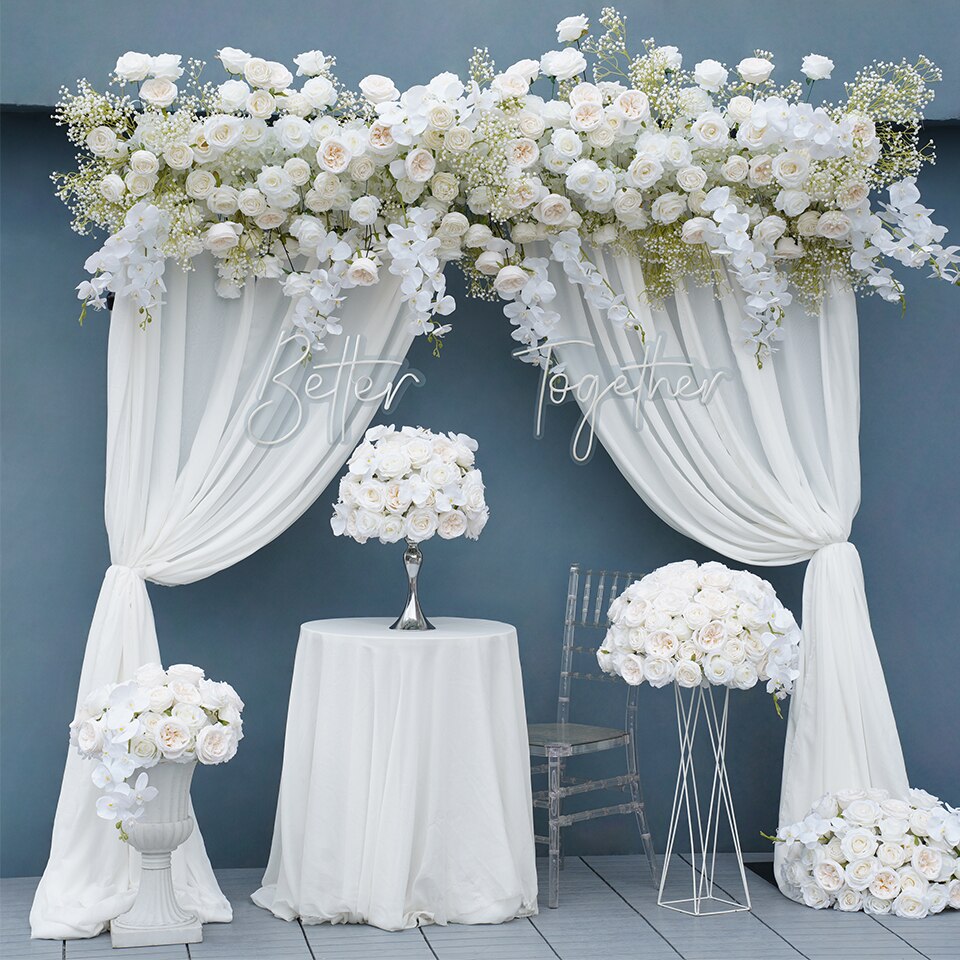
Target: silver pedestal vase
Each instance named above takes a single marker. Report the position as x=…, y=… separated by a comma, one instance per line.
x=412, y=617
x=156, y=917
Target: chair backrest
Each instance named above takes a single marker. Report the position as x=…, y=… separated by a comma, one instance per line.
x=589, y=595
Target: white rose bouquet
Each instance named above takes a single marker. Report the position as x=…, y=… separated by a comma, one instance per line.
x=174, y=715
x=410, y=484
x=702, y=624
x=865, y=850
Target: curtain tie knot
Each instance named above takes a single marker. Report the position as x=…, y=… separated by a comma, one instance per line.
x=125, y=568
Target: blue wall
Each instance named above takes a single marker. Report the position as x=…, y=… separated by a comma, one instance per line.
x=546, y=511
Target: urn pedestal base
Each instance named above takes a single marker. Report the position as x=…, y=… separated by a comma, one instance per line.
x=156, y=918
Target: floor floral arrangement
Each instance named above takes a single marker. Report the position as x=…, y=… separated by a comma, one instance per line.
x=865, y=850
x=175, y=715
x=698, y=173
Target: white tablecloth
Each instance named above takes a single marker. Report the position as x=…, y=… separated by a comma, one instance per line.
x=405, y=792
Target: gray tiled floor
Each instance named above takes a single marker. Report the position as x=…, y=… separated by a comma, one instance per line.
x=607, y=910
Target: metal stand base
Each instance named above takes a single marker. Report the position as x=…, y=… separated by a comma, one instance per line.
x=703, y=827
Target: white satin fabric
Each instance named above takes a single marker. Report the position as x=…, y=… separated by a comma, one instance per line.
x=405, y=795
x=193, y=485
x=766, y=471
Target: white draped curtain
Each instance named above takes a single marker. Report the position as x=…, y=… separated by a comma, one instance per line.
x=766, y=470
x=214, y=447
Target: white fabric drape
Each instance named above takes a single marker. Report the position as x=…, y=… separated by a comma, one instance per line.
x=193, y=485
x=766, y=471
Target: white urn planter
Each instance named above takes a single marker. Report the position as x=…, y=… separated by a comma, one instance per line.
x=156, y=917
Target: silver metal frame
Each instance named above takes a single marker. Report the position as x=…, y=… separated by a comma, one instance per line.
x=692, y=707
x=570, y=740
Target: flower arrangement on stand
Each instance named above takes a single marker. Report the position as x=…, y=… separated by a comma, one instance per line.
x=698, y=173
x=701, y=626
x=165, y=722
x=410, y=484
x=865, y=850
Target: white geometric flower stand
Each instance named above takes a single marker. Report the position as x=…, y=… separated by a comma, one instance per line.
x=155, y=917
x=696, y=707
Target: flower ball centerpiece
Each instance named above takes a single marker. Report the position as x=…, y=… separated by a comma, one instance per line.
x=865, y=850
x=410, y=484
x=692, y=624
x=164, y=722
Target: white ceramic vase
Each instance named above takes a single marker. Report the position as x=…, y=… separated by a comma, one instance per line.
x=156, y=917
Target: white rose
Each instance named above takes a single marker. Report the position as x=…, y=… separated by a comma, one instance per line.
x=816, y=67
x=453, y=225
x=333, y=155
x=452, y=524
x=659, y=673
x=891, y=854
x=145, y=751
x=139, y=184
x=378, y=89
x=688, y=673
x=668, y=207
x=222, y=201
x=770, y=229
x=862, y=811
x=833, y=225
x=178, y=156
x=90, y=736
x=133, y=66
x=791, y=168
x=173, y=738
x=144, y=162
x=530, y=124
x=691, y=178
x=755, y=69
x=927, y=861
x=191, y=714
x=572, y=28
x=510, y=281
x=310, y=63
x=718, y=670
x=261, y=104
x=849, y=900
x=421, y=524
x=101, y=141
x=221, y=238
x=735, y=168
x=788, y=248
x=828, y=875
x=910, y=905
x=458, y=139
x=319, y=92
x=739, y=109
x=807, y=223
x=510, y=85
x=643, y=172
x=233, y=60
x=419, y=165
x=233, y=95
x=258, y=72
x=552, y=210
x=251, y=202
x=365, y=210
x=793, y=202
x=112, y=188
x=634, y=105
x=710, y=75
x=566, y=143
x=851, y=194
x=216, y=744
x=293, y=133
x=710, y=130
x=602, y=136
x=158, y=92
x=489, y=263
x=362, y=272
x=563, y=64
x=761, y=170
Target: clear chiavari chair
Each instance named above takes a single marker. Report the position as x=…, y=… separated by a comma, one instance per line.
x=586, y=611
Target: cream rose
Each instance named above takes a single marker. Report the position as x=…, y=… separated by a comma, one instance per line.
x=173, y=738
x=419, y=165
x=219, y=239
x=510, y=281
x=363, y=272
x=216, y=744
x=833, y=225
x=552, y=210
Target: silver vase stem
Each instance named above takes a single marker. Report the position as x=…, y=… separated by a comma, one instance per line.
x=412, y=617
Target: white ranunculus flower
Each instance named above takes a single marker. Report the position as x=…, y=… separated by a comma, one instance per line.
x=833, y=225
x=233, y=60
x=173, y=738
x=816, y=67
x=711, y=75
x=158, y=92
x=755, y=69
x=563, y=64
x=221, y=238
x=216, y=744
x=378, y=89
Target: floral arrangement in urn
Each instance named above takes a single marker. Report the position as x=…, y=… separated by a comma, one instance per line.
x=175, y=715
x=865, y=850
x=694, y=624
x=700, y=173
x=410, y=484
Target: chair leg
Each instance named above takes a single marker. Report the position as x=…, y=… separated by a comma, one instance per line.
x=560, y=833
x=553, y=792
x=636, y=798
